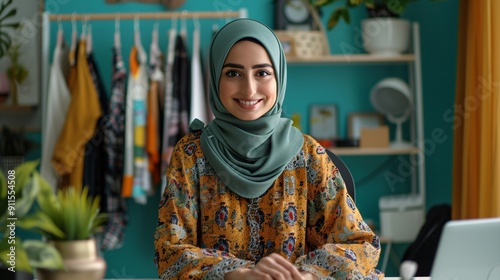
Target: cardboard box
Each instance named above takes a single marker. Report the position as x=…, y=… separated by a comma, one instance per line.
x=401, y=217
x=374, y=137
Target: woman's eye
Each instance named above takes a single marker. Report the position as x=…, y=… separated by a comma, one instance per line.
x=263, y=73
x=232, y=73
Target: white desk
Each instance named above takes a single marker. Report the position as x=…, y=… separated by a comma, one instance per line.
x=416, y=278
x=386, y=278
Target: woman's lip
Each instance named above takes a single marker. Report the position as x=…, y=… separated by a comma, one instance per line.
x=248, y=102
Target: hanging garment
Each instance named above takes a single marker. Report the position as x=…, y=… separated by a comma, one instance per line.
x=79, y=127
x=177, y=102
x=156, y=85
x=182, y=83
x=114, y=139
x=137, y=178
x=168, y=127
x=58, y=101
x=128, y=149
x=95, y=151
x=198, y=100
x=73, y=52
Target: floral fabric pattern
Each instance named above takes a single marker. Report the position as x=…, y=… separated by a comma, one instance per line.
x=205, y=230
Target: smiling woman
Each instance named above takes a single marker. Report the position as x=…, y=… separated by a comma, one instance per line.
x=248, y=196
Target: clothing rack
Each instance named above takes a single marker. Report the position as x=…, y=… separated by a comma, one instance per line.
x=153, y=15
x=47, y=18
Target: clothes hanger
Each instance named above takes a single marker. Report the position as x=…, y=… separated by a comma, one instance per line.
x=154, y=54
x=174, y=23
x=74, y=33
x=89, y=39
x=154, y=48
x=117, y=37
x=137, y=41
x=60, y=34
x=183, y=31
x=84, y=28
x=196, y=23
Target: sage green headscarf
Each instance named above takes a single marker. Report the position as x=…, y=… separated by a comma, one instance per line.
x=248, y=156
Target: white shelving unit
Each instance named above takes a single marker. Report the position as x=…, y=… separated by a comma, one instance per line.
x=413, y=60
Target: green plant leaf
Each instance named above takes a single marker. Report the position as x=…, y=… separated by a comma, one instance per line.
x=370, y=4
x=3, y=186
x=70, y=214
x=40, y=222
x=11, y=13
x=397, y=6
x=22, y=259
x=24, y=171
x=5, y=5
x=43, y=255
x=30, y=191
x=3, y=198
x=335, y=17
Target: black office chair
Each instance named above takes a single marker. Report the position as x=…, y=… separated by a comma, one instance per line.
x=346, y=174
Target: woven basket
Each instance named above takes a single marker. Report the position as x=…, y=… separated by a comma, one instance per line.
x=305, y=43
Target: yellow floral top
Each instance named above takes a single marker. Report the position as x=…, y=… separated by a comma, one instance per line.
x=205, y=230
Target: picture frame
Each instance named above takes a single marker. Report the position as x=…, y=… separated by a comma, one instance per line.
x=287, y=42
x=323, y=122
x=358, y=120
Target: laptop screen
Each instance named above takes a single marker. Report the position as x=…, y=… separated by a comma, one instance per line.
x=468, y=250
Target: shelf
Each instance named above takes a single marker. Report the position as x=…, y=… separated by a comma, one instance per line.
x=17, y=108
x=374, y=151
x=353, y=58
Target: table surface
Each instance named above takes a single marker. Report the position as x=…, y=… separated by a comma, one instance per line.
x=386, y=278
x=416, y=278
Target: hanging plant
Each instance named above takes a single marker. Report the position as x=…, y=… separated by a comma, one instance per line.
x=6, y=26
x=16, y=71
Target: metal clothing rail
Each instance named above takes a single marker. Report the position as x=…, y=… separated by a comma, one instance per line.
x=153, y=15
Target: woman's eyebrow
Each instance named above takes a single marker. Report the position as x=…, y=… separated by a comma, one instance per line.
x=239, y=66
x=263, y=65
x=233, y=65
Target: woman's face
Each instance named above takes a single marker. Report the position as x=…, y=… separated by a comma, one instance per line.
x=248, y=84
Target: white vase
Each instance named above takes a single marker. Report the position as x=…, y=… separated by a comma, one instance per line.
x=386, y=36
x=81, y=261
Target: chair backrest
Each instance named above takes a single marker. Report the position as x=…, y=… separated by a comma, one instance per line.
x=346, y=174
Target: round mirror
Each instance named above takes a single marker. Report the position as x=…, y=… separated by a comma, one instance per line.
x=392, y=97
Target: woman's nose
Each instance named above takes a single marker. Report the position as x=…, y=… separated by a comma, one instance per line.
x=249, y=86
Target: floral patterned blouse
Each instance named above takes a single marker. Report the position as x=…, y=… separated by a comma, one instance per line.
x=205, y=230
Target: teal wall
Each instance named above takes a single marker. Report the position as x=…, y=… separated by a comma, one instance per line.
x=345, y=85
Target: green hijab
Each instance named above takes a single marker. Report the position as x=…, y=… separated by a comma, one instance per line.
x=248, y=156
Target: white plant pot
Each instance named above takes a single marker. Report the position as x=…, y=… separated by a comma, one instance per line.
x=386, y=36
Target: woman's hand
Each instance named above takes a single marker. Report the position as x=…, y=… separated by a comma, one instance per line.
x=306, y=275
x=272, y=267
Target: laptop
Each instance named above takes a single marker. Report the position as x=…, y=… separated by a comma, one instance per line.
x=468, y=250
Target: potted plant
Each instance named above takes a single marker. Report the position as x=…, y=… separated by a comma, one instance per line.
x=383, y=32
x=67, y=221
x=16, y=72
x=19, y=190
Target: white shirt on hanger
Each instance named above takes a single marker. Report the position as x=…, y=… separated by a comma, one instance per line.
x=198, y=100
x=58, y=100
